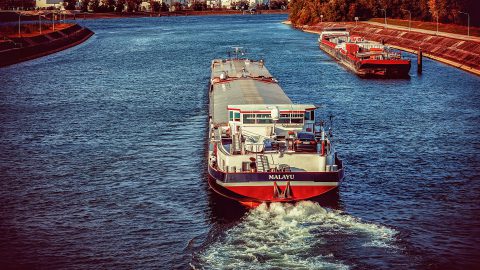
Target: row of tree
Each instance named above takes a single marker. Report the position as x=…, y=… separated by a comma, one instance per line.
x=134, y=5
x=311, y=11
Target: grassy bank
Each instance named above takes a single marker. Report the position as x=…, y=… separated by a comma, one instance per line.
x=432, y=26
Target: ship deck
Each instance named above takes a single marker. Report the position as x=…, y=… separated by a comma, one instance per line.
x=247, y=82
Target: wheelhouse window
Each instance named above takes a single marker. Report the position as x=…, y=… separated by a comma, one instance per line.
x=249, y=118
x=264, y=119
x=284, y=118
x=297, y=118
x=310, y=115
x=234, y=116
x=237, y=116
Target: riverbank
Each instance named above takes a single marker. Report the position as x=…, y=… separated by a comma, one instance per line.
x=447, y=28
x=462, y=54
x=29, y=45
x=69, y=15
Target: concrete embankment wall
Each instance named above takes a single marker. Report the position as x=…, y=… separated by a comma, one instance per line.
x=33, y=47
x=462, y=54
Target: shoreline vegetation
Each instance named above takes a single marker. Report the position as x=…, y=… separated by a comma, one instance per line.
x=33, y=15
x=309, y=12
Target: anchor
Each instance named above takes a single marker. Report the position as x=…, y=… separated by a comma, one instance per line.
x=278, y=193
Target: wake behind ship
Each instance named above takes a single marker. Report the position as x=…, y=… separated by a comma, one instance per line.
x=262, y=147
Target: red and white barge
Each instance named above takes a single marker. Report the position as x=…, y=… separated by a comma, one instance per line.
x=262, y=147
x=365, y=58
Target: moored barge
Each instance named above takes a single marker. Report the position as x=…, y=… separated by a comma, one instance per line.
x=262, y=147
x=364, y=58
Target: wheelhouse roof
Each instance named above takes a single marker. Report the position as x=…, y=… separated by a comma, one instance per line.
x=268, y=107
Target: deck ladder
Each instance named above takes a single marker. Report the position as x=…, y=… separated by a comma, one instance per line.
x=262, y=163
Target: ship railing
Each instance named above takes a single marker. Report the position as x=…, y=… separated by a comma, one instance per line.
x=254, y=147
x=218, y=140
x=256, y=141
x=252, y=135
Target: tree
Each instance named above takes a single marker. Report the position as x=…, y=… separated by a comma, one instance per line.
x=178, y=6
x=120, y=5
x=133, y=5
x=199, y=5
x=94, y=5
x=70, y=4
x=84, y=5
x=164, y=7
x=155, y=6
x=309, y=11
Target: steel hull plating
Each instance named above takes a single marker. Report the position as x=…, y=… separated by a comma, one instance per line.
x=260, y=187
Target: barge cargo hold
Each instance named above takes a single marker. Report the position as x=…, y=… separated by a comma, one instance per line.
x=262, y=147
x=364, y=58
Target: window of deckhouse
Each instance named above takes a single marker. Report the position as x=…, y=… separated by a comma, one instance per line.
x=297, y=118
x=310, y=115
x=249, y=118
x=264, y=119
x=284, y=118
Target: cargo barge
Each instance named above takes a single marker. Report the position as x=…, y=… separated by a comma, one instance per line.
x=364, y=58
x=263, y=147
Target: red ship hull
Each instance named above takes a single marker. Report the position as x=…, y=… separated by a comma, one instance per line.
x=388, y=68
x=254, y=188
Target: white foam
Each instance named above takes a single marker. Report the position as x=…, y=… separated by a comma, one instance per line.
x=287, y=236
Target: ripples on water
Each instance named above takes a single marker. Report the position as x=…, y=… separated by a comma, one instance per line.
x=300, y=236
x=102, y=158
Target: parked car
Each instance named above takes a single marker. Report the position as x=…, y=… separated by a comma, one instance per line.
x=305, y=142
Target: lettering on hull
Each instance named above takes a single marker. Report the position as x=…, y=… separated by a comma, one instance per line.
x=281, y=177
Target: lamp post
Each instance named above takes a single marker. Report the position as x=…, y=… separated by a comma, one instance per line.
x=40, y=22
x=385, y=12
x=19, y=22
x=409, y=20
x=437, y=22
x=321, y=18
x=468, y=22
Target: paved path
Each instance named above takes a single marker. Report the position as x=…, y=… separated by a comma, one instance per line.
x=430, y=32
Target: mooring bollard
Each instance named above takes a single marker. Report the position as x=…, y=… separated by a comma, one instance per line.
x=419, y=61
